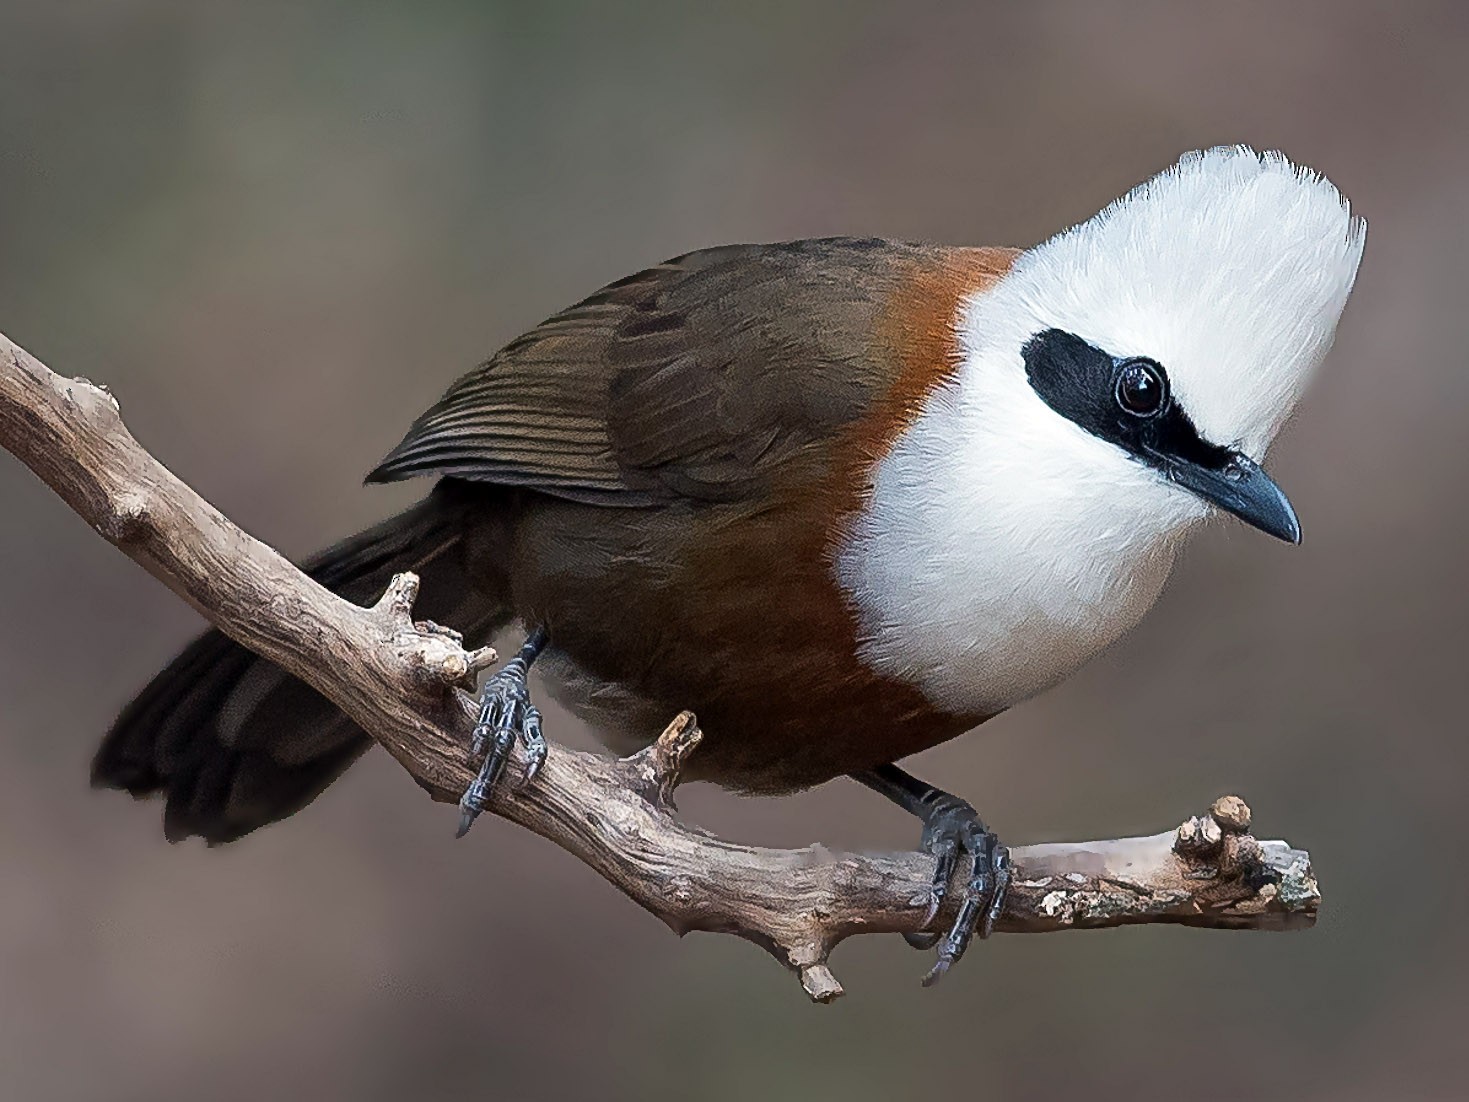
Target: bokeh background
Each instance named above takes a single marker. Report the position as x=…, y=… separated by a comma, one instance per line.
x=278, y=231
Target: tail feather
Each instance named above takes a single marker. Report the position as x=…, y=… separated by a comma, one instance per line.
x=232, y=741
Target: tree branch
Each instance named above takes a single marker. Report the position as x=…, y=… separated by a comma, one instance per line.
x=403, y=684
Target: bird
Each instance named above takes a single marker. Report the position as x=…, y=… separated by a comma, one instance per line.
x=844, y=498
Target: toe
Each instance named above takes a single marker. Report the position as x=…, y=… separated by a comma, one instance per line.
x=984, y=892
x=999, y=886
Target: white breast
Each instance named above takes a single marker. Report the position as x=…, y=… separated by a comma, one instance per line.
x=1001, y=546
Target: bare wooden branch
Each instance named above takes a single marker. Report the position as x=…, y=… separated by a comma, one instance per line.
x=403, y=683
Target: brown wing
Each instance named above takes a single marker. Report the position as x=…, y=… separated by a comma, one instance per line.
x=699, y=378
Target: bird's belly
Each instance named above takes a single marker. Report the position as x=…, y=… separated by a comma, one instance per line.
x=760, y=734
x=623, y=718
x=985, y=638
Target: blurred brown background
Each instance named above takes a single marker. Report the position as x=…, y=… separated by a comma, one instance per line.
x=278, y=231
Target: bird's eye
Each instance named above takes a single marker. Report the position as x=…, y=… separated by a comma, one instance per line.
x=1142, y=388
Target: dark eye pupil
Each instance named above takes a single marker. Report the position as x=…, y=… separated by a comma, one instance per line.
x=1139, y=389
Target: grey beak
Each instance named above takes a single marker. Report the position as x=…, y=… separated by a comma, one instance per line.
x=1243, y=488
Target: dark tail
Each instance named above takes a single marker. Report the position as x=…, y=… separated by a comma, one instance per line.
x=232, y=741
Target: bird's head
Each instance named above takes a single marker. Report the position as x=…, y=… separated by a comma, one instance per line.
x=1118, y=384
x=1160, y=345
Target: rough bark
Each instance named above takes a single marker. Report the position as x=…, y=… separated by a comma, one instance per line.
x=404, y=683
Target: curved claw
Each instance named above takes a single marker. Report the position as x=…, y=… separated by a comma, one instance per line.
x=945, y=849
x=466, y=820
x=939, y=970
x=535, y=745
x=1000, y=866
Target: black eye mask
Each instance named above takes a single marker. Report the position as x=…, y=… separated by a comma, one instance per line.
x=1129, y=402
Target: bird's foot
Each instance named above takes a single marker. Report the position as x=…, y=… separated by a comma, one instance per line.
x=506, y=715
x=951, y=826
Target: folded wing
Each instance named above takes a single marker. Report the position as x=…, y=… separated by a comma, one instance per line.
x=703, y=378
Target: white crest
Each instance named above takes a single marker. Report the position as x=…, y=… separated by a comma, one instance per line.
x=1230, y=269
x=1003, y=545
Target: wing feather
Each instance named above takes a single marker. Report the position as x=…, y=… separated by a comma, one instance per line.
x=700, y=378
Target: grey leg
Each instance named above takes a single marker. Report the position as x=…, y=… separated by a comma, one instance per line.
x=950, y=826
x=505, y=714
